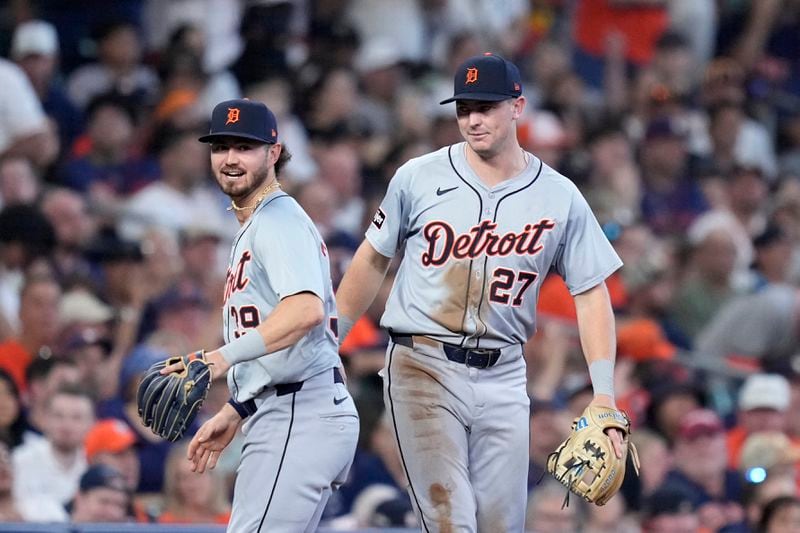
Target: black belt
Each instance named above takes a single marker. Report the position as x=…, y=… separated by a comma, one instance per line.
x=474, y=357
x=282, y=389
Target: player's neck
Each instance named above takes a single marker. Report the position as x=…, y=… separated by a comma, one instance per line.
x=244, y=208
x=495, y=169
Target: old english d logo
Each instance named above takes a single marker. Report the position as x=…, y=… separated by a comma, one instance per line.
x=472, y=75
x=233, y=115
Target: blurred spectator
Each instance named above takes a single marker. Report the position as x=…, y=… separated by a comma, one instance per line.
x=102, y=496
x=382, y=75
x=216, y=20
x=24, y=128
x=184, y=314
x=151, y=449
x=25, y=237
x=613, y=184
x=733, y=136
x=39, y=327
x=377, y=462
x=769, y=454
x=35, y=48
x=674, y=64
x=700, y=470
x=45, y=377
x=549, y=426
x=762, y=406
x=330, y=102
x=781, y=515
x=278, y=93
x=90, y=349
x=759, y=326
x=74, y=226
x=340, y=166
x=707, y=281
x=118, y=69
x=53, y=466
x=697, y=21
x=9, y=509
x=669, y=511
x=546, y=511
x=723, y=220
x=671, y=198
x=610, y=518
x=199, y=248
x=655, y=458
x=189, y=89
x=377, y=506
x=182, y=197
x=111, y=442
x=392, y=24
x=670, y=401
x=19, y=183
x=104, y=164
x=755, y=496
x=773, y=258
x=267, y=32
x=190, y=497
x=12, y=417
x=120, y=270
x=596, y=21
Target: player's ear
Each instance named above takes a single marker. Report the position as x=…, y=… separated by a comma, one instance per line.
x=518, y=105
x=274, y=152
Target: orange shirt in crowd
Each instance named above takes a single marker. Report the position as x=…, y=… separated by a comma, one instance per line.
x=363, y=335
x=639, y=23
x=555, y=299
x=14, y=359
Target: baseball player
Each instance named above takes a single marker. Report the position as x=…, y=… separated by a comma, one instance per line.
x=483, y=222
x=279, y=320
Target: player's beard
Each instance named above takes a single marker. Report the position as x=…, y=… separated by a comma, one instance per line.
x=240, y=191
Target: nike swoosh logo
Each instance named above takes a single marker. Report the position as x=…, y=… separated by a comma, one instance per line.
x=440, y=191
x=337, y=401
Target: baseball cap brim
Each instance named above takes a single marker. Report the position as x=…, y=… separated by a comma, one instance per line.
x=481, y=97
x=213, y=136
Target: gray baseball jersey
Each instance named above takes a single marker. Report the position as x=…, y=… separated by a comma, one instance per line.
x=295, y=398
x=474, y=259
x=278, y=252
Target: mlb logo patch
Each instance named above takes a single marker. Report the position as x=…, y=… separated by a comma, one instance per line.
x=378, y=218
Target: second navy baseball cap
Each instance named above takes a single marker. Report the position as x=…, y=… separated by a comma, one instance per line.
x=486, y=77
x=242, y=118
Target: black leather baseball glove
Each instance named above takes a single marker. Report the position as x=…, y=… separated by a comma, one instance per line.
x=168, y=403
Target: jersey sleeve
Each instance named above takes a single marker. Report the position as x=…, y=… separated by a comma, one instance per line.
x=586, y=256
x=290, y=253
x=389, y=225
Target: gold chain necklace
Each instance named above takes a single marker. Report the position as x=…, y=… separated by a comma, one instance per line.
x=268, y=189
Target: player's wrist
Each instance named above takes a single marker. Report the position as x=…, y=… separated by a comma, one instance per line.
x=345, y=325
x=246, y=348
x=234, y=411
x=601, y=374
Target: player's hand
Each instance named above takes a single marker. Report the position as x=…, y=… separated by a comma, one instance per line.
x=212, y=438
x=216, y=363
x=615, y=435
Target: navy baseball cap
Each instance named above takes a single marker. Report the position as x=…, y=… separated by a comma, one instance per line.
x=486, y=77
x=242, y=118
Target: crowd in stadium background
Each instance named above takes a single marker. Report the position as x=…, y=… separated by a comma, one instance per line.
x=679, y=121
